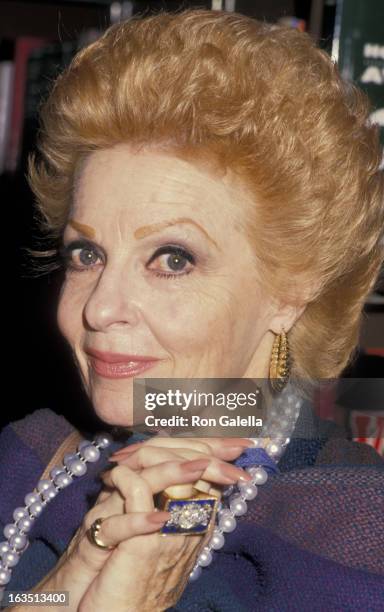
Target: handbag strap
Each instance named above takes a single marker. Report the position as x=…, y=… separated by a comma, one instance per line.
x=68, y=445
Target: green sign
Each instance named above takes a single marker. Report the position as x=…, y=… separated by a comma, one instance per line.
x=358, y=48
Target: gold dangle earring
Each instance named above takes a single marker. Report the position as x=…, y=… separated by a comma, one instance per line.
x=279, y=366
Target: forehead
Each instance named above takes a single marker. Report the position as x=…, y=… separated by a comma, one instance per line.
x=120, y=179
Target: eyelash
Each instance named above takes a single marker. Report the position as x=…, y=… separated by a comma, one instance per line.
x=65, y=253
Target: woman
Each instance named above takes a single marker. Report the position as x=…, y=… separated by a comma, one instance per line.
x=212, y=187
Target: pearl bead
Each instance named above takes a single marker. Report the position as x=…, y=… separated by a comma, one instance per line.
x=19, y=513
x=68, y=457
x=55, y=471
x=62, y=480
x=274, y=449
x=90, y=453
x=223, y=511
x=77, y=467
x=83, y=444
x=10, y=530
x=50, y=493
x=257, y=442
x=36, y=508
x=259, y=475
x=237, y=505
x=11, y=558
x=103, y=440
x=228, y=490
x=31, y=498
x=43, y=484
x=205, y=558
x=227, y=523
x=5, y=576
x=4, y=547
x=217, y=541
x=195, y=573
x=35, y=501
x=18, y=541
x=248, y=491
x=25, y=524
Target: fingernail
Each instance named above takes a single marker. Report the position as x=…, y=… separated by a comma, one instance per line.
x=159, y=517
x=235, y=473
x=236, y=449
x=126, y=449
x=243, y=442
x=195, y=465
x=245, y=477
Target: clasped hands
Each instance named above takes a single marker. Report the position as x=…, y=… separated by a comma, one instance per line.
x=144, y=571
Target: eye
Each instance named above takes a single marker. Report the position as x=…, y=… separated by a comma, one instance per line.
x=79, y=255
x=174, y=261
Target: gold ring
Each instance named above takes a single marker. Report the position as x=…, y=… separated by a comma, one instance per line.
x=93, y=535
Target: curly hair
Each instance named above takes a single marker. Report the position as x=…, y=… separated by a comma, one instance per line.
x=263, y=102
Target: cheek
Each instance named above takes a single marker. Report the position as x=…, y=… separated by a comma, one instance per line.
x=210, y=318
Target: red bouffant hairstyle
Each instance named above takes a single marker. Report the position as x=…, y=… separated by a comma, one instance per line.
x=264, y=103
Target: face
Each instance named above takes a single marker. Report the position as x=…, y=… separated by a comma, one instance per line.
x=158, y=270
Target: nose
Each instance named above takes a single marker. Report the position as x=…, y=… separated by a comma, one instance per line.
x=112, y=302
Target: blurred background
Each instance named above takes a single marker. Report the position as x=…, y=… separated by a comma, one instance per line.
x=37, y=40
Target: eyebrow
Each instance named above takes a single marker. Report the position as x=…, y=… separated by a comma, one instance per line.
x=146, y=230
x=86, y=230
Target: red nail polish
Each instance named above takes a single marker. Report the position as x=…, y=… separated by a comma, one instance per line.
x=195, y=465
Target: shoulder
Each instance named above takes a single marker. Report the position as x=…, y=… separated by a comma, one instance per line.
x=26, y=446
x=40, y=433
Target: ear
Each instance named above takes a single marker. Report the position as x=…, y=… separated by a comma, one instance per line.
x=287, y=312
x=285, y=317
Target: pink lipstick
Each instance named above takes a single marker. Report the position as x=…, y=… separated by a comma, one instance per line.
x=119, y=365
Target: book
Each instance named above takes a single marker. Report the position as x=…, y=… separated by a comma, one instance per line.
x=6, y=93
x=24, y=45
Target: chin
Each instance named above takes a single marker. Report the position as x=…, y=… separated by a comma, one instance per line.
x=114, y=409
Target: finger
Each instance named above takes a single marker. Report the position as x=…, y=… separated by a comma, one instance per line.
x=217, y=471
x=206, y=445
x=149, y=455
x=156, y=478
x=134, y=489
x=117, y=528
x=146, y=456
x=170, y=473
x=162, y=442
x=114, y=530
x=138, y=491
x=109, y=501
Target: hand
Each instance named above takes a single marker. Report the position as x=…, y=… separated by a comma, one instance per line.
x=159, y=449
x=118, y=579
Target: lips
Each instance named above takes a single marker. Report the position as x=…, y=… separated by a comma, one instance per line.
x=119, y=365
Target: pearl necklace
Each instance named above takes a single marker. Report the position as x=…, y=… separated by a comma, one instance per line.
x=74, y=465
x=277, y=432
